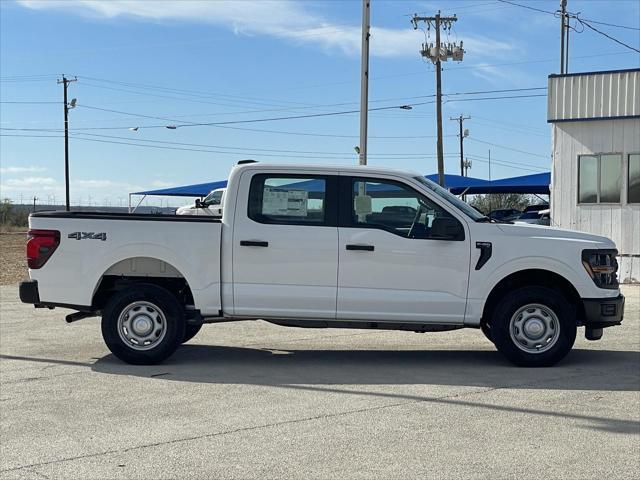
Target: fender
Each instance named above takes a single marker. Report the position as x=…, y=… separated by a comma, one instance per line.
x=483, y=282
x=198, y=276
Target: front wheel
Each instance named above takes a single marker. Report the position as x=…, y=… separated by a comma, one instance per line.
x=190, y=331
x=534, y=326
x=143, y=325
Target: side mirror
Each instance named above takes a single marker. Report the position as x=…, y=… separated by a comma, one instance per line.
x=199, y=203
x=446, y=228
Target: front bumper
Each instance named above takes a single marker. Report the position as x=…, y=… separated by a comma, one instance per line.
x=603, y=312
x=29, y=292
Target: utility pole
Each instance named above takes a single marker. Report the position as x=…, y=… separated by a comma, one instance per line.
x=364, y=81
x=462, y=136
x=563, y=15
x=437, y=53
x=467, y=166
x=65, y=84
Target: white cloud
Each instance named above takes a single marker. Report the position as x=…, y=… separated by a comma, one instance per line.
x=101, y=184
x=8, y=170
x=285, y=19
x=31, y=182
x=499, y=75
x=161, y=184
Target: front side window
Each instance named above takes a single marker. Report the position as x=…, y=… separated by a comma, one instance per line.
x=634, y=178
x=445, y=194
x=292, y=200
x=599, y=178
x=399, y=209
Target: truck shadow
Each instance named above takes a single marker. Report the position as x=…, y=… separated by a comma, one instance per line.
x=374, y=373
x=581, y=370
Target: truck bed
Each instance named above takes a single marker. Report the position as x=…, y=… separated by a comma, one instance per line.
x=95, y=244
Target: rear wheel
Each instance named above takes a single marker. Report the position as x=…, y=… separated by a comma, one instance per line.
x=534, y=326
x=143, y=325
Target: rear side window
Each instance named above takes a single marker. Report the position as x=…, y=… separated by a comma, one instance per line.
x=290, y=200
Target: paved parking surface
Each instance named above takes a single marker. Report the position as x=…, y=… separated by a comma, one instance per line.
x=252, y=400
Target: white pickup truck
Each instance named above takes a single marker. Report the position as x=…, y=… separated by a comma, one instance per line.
x=339, y=247
x=212, y=205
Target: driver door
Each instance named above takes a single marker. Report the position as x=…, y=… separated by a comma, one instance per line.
x=398, y=257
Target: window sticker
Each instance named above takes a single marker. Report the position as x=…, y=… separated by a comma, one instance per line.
x=283, y=202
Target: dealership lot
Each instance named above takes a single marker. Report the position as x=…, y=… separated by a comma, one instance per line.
x=253, y=400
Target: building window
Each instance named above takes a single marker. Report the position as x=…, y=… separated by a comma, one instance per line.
x=634, y=178
x=599, y=178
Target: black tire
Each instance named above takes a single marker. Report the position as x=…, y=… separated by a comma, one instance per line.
x=563, y=334
x=486, y=329
x=190, y=331
x=159, y=309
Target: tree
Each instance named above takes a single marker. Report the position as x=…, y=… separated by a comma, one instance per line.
x=493, y=201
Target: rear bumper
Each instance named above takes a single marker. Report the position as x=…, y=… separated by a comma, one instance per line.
x=29, y=292
x=603, y=312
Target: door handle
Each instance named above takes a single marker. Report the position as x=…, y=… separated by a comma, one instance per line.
x=366, y=248
x=253, y=243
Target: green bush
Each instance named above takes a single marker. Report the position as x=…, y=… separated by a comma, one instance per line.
x=13, y=215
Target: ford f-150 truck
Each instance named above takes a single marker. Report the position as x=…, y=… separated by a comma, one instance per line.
x=317, y=246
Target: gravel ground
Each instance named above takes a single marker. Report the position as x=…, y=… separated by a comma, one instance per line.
x=253, y=400
x=13, y=257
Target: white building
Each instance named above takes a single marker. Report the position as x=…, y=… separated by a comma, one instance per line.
x=595, y=175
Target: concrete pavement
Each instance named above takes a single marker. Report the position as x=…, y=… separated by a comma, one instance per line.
x=253, y=400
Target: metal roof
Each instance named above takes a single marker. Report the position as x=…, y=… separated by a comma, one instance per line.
x=594, y=96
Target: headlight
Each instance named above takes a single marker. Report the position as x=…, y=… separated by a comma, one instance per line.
x=602, y=267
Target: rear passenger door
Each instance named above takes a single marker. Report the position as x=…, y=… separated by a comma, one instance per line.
x=285, y=246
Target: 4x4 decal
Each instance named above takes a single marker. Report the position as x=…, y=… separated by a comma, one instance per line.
x=88, y=236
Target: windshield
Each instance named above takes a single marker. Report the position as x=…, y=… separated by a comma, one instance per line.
x=451, y=198
x=214, y=198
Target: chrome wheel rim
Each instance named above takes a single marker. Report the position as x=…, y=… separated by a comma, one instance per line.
x=142, y=325
x=534, y=328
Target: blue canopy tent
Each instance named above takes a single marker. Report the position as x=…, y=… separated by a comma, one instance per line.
x=537, y=183
x=196, y=190
x=533, y=184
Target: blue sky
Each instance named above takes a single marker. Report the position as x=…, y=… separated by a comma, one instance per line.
x=163, y=63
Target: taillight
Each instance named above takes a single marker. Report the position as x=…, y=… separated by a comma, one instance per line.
x=40, y=246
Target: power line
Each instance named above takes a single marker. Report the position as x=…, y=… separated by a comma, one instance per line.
x=508, y=148
x=514, y=166
x=510, y=129
x=610, y=24
x=380, y=156
x=493, y=98
x=34, y=102
x=259, y=120
x=200, y=94
x=242, y=150
x=174, y=117
x=194, y=93
x=527, y=7
x=508, y=162
x=572, y=16
x=509, y=124
x=586, y=23
x=237, y=148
